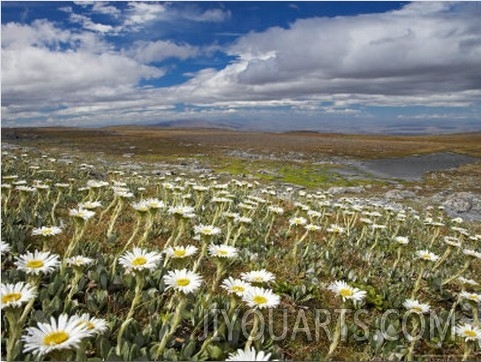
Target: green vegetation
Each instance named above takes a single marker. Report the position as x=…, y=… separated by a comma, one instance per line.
x=245, y=216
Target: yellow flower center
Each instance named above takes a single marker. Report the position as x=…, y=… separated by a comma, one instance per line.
x=345, y=292
x=180, y=252
x=238, y=289
x=88, y=324
x=416, y=309
x=260, y=299
x=138, y=261
x=55, y=338
x=470, y=333
x=11, y=297
x=47, y=232
x=35, y=264
x=182, y=282
x=223, y=252
x=473, y=297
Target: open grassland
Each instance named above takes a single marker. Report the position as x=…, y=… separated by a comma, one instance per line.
x=182, y=142
x=301, y=158
x=197, y=263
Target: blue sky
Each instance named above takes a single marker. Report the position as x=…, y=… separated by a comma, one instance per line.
x=392, y=67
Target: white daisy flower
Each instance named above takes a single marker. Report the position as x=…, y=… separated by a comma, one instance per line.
x=426, y=255
x=81, y=213
x=249, y=355
x=141, y=206
x=208, y=230
x=468, y=332
x=180, y=251
x=78, y=261
x=155, y=203
x=37, y=262
x=414, y=306
x=257, y=297
x=464, y=280
x=180, y=210
x=298, y=220
x=244, y=220
x=222, y=251
x=139, y=259
x=312, y=227
x=334, y=228
x=182, y=280
x=90, y=205
x=94, y=325
x=221, y=200
x=403, y=240
x=345, y=291
x=97, y=184
x=473, y=253
x=452, y=241
x=26, y=189
x=276, y=210
x=47, y=231
x=474, y=297
x=460, y=230
x=124, y=194
x=64, y=333
x=258, y=276
x=237, y=286
x=13, y=295
x=62, y=185
x=4, y=247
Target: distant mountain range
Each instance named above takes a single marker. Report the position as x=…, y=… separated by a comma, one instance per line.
x=197, y=123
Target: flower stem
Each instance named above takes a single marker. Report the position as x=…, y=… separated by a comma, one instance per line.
x=415, y=324
x=253, y=334
x=14, y=331
x=418, y=282
x=467, y=351
x=139, y=284
x=175, y=323
x=463, y=269
x=337, y=333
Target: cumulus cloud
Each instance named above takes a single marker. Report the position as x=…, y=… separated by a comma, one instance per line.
x=147, y=52
x=44, y=66
x=424, y=53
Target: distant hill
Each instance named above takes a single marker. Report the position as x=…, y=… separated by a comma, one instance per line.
x=194, y=123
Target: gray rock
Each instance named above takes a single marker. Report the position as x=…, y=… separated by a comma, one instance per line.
x=344, y=190
x=464, y=204
x=399, y=194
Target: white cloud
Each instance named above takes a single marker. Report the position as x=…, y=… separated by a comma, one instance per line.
x=44, y=67
x=87, y=23
x=147, y=52
x=212, y=15
x=142, y=12
x=426, y=53
x=423, y=54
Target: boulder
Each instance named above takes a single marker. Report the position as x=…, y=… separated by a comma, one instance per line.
x=464, y=204
x=399, y=194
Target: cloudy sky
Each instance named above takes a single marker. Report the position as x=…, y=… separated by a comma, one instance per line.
x=330, y=66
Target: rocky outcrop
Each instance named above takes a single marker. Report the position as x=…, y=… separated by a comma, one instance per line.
x=463, y=204
x=346, y=190
x=399, y=194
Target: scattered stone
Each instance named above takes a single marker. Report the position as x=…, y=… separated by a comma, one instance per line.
x=464, y=204
x=399, y=194
x=345, y=190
